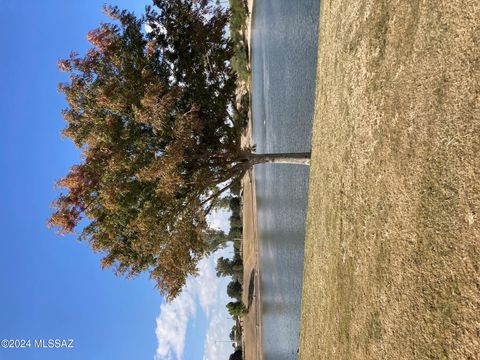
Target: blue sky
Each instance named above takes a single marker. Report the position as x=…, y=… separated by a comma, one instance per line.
x=52, y=287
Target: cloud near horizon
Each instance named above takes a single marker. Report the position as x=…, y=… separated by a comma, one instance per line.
x=205, y=292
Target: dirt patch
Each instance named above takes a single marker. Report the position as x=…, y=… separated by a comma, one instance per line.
x=392, y=253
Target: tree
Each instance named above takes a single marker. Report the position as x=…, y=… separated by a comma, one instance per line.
x=232, y=333
x=224, y=202
x=237, y=355
x=215, y=239
x=235, y=204
x=235, y=233
x=150, y=113
x=236, y=220
x=234, y=289
x=236, y=308
x=227, y=267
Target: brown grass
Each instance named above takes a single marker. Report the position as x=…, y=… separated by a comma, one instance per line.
x=392, y=257
x=252, y=337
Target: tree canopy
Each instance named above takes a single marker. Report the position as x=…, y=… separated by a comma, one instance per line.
x=236, y=308
x=150, y=111
x=230, y=267
x=237, y=355
x=234, y=289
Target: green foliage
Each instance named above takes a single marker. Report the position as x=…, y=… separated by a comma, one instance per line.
x=237, y=246
x=214, y=239
x=236, y=188
x=236, y=224
x=234, y=202
x=227, y=267
x=235, y=220
x=238, y=13
x=224, y=202
x=235, y=233
x=232, y=333
x=236, y=308
x=238, y=18
x=237, y=355
x=241, y=115
x=234, y=290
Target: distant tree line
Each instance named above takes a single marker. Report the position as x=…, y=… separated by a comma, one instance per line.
x=234, y=268
x=238, y=17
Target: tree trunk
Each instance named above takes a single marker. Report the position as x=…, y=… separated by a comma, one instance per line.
x=281, y=158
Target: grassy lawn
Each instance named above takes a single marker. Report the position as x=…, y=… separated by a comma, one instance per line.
x=392, y=257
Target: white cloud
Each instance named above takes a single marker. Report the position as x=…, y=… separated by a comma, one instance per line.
x=219, y=219
x=208, y=293
x=219, y=327
x=172, y=326
x=148, y=28
x=218, y=330
x=207, y=285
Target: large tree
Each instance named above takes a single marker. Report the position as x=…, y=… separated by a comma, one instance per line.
x=151, y=113
x=234, y=289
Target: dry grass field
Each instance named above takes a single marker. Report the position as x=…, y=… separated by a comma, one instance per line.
x=392, y=257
